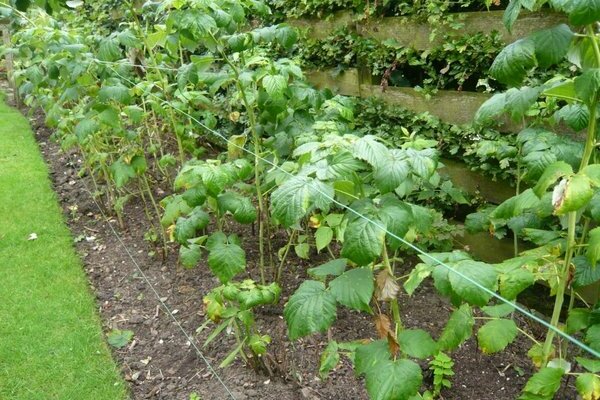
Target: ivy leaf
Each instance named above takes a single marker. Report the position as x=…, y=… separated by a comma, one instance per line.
x=482, y=273
x=323, y=237
x=583, y=12
x=551, y=174
x=551, y=45
x=190, y=256
x=588, y=386
x=593, y=249
x=226, y=260
x=417, y=343
x=495, y=335
x=363, y=241
x=297, y=196
x=310, y=309
x=398, y=380
x=543, y=385
x=354, y=288
x=458, y=329
x=513, y=62
x=333, y=267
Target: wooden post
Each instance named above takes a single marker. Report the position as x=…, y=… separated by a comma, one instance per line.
x=9, y=63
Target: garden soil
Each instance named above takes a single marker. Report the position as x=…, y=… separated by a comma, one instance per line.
x=160, y=362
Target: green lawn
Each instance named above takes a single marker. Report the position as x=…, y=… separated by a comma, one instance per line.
x=51, y=342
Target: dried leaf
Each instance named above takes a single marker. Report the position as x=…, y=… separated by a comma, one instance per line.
x=387, y=288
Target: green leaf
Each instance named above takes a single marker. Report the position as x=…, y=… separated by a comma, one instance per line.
x=592, y=337
x=363, y=241
x=186, y=228
x=576, y=116
x=416, y=277
x=109, y=50
x=592, y=172
x=588, y=386
x=495, y=335
x=578, y=320
x=310, y=309
x=118, y=93
x=551, y=174
x=583, y=12
x=86, y=128
x=563, y=91
x=302, y=250
x=369, y=149
x=286, y=36
x=574, y=195
x=499, y=311
x=226, y=260
x=484, y=274
x=552, y=45
x=333, y=267
x=354, y=289
x=417, y=343
x=393, y=169
x=175, y=207
x=591, y=365
x=458, y=329
x=330, y=357
x=190, y=256
x=587, y=85
x=118, y=338
x=513, y=62
x=298, y=196
x=239, y=206
x=323, y=237
x=519, y=101
x=511, y=14
x=398, y=380
x=544, y=384
x=274, y=85
x=121, y=173
x=491, y=108
x=368, y=356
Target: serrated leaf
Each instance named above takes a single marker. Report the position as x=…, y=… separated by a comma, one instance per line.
x=239, y=206
x=323, y=237
x=592, y=366
x=593, y=249
x=491, y=108
x=552, y=45
x=592, y=337
x=274, y=85
x=398, y=380
x=417, y=343
x=498, y=311
x=121, y=173
x=226, y=260
x=330, y=357
x=458, y=329
x=310, y=309
x=578, y=320
x=286, y=36
x=513, y=62
x=576, y=116
x=118, y=93
x=86, y=128
x=519, y=101
x=175, y=207
x=583, y=12
x=393, y=168
x=368, y=356
x=363, y=241
x=190, y=256
x=588, y=386
x=551, y=174
x=587, y=85
x=333, y=267
x=298, y=196
x=369, y=149
x=354, y=289
x=495, y=335
x=483, y=274
x=543, y=384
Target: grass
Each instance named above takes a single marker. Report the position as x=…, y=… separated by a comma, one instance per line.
x=51, y=342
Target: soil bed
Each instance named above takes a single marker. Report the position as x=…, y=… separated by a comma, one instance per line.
x=161, y=364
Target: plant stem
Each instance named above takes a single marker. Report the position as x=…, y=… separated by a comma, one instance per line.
x=572, y=223
x=394, y=302
x=287, y=250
